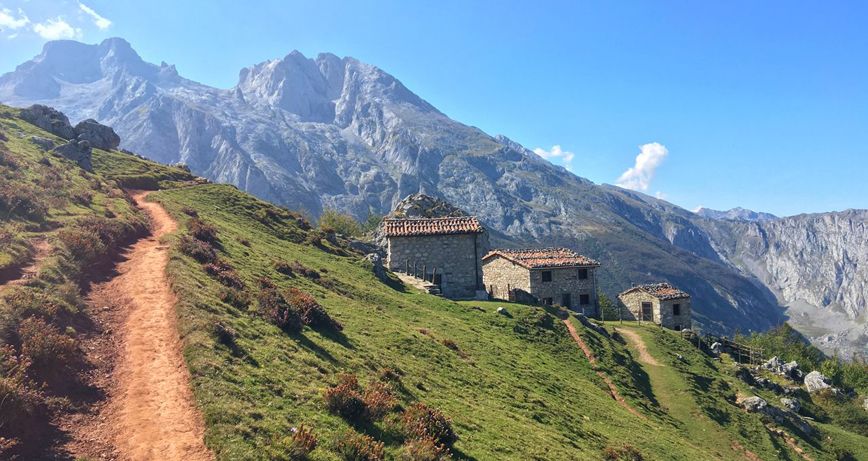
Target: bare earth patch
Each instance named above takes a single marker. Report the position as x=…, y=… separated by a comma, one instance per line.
x=639, y=344
x=148, y=411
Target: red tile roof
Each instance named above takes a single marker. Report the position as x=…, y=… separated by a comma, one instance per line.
x=431, y=226
x=537, y=258
x=662, y=291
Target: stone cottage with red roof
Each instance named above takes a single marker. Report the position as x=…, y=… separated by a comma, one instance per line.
x=660, y=303
x=553, y=276
x=447, y=250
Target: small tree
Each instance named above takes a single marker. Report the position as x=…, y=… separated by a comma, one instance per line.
x=609, y=309
x=340, y=223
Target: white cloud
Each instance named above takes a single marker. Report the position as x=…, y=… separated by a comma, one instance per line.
x=555, y=153
x=660, y=195
x=9, y=21
x=639, y=176
x=55, y=29
x=100, y=21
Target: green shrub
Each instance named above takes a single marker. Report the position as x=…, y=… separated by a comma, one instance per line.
x=351, y=446
x=236, y=298
x=334, y=221
x=22, y=200
x=421, y=421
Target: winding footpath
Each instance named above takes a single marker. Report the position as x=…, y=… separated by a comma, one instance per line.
x=148, y=412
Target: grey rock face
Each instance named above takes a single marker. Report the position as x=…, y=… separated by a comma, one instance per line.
x=97, y=134
x=759, y=405
x=77, y=151
x=816, y=381
x=49, y=119
x=735, y=214
x=791, y=404
x=43, y=143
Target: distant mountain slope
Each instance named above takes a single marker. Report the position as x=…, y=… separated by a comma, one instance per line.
x=735, y=214
x=334, y=132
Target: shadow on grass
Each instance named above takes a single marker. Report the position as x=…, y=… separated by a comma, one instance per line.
x=306, y=343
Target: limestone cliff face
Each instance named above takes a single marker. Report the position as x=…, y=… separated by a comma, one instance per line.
x=332, y=132
x=821, y=259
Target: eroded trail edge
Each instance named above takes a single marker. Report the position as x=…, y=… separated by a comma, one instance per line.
x=639, y=344
x=149, y=411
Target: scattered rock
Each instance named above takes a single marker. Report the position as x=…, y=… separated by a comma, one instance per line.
x=759, y=405
x=774, y=364
x=792, y=371
x=3, y=137
x=49, y=119
x=816, y=381
x=77, y=151
x=97, y=134
x=754, y=404
x=377, y=262
x=42, y=143
x=865, y=404
x=791, y=404
x=502, y=311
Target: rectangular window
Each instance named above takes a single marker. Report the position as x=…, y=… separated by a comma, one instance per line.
x=547, y=301
x=546, y=276
x=676, y=309
x=566, y=300
x=647, y=313
x=583, y=274
x=584, y=300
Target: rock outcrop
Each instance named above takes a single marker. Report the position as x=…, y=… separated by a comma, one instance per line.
x=97, y=134
x=816, y=381
x=49, y=119
x=77, y=151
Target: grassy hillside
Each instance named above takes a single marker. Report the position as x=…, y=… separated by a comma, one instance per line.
x=514, y=386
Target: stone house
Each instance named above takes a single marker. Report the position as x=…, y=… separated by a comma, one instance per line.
x=447, y=250
x=553, y=276
x=660, y=303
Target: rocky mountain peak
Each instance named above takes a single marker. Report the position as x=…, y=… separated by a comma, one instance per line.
x=736, y=214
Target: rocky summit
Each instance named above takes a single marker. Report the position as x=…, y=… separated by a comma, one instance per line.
x=334, y=132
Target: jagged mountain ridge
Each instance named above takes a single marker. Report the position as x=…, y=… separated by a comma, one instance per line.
x=735, y=214
x=335, y=132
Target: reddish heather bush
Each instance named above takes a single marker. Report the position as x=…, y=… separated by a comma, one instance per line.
x=224, y=273
x=93, y=237
x=390, y=375
x=421, y=421
x=197, y=249
x=352, y=446
x=311, y=312
x=236, y=298
x=48, y=350
x=300, y=269
x=7, y=160
x=379, y=400
x=203, y=231
x=425, y=449
x=282, y=267
x=190, y=212
x=303, y=442
x=345, y=399
x=623, y=453
x=274, y=307
x=82, y=197
x=21, y=200
x=20, y=400
x=84, y=245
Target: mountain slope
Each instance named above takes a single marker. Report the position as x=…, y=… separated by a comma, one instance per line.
x=334, y=132
x=514, y=386
x=736, y=214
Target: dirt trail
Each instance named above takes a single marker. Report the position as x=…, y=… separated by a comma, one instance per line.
x=639, y=344
x=613, y=391
x=42, y=250
x=148, y=412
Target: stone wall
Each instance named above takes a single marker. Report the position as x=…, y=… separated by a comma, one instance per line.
x=499, y=275
x=565, y=280
x=456, y=258
x=662, y=310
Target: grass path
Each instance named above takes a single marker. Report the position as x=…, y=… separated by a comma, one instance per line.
x=149, y=413
x=672, y=391
x=613, y=390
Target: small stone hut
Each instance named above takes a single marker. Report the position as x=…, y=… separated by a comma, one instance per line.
x=448, y=250
x=660, y=303
x=552, y=276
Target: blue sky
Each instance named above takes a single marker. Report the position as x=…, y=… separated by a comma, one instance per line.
x=739, y=103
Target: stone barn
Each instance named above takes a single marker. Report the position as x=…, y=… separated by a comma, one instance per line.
x=553, y=276
x=660, y=303
x=448, y=250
